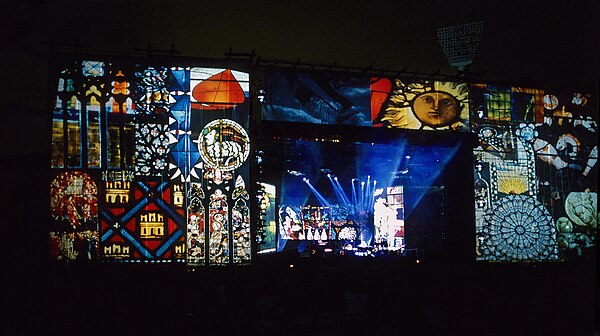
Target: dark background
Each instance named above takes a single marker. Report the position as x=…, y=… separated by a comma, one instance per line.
x=538, y=43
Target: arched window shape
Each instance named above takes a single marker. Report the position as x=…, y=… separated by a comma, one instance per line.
x=93, y=117
x=94, y=136
x=58, y=135
x=120, y=99
x=218, y=213
x=120, y=132
x=240, y=223
x=196, y=233
x=73, y=116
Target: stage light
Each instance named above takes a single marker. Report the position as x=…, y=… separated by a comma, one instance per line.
x=460, y=43
x=305, y=179
x=362, y=183
x=291, y=265
x=335, y=178
x=328, y=175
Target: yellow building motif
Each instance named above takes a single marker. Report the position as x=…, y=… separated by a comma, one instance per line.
x=117, y=185
x=152, y=225
x=116, y=251
x=180, y=250
x=178, y=195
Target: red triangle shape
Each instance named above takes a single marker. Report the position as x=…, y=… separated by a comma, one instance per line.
x=218, y=91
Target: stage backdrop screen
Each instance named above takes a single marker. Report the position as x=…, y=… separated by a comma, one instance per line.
x=361, y=193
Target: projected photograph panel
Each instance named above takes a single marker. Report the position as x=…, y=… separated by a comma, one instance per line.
x=316, y=97
x=359, y=195
x=544, y=152
x=267, y=226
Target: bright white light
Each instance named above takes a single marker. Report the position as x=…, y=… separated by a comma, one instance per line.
x=335, y=178
x=328, y=175
x=362, y=183
x=378, y=192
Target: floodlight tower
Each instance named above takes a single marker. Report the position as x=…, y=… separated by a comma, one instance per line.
x=460, y=43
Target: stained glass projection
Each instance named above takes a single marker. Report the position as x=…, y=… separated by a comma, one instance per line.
x=150, y=227
x=214, y=139
x=218, y=213
x=240, y=223
x=152, y=143
x=217, y=89
x=224, y=145
x=92, y=118
x=93, y=95
x=536, y=145
x=426, y=105
x=152, y=95
x=180, y=141
x=196, y=235
x=74, y=217
x=518, y=228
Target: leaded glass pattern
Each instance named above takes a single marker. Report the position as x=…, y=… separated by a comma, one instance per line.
x=541, y=150
x=224, y=145
x=240, y=222
x=152, y=93
x=518, y=228
x=218, y=243
x=196, y=233
x=151, y=149
x=74, y=217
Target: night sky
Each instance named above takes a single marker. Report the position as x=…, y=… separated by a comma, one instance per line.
x=542, y=43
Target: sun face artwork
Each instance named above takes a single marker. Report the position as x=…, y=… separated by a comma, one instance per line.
x=426, y=105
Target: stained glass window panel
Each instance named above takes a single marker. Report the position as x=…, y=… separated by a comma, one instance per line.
x=114, y=146
x=219, y=228
x=151, y=149
x=74, y=216
x=74, y=142
x=93, y=68
x=498, y=103
x=240, y=222
x=58, y=139
x=93, y=139
x=196, y=233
